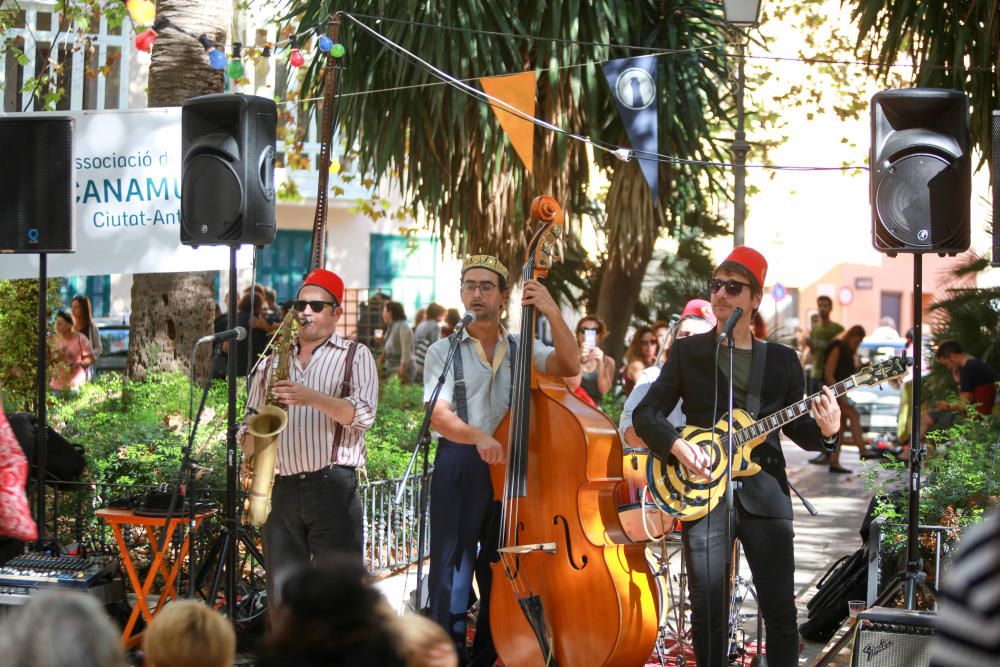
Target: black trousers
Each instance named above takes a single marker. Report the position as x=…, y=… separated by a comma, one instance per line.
x=767, y=544
x=464, y=533
x=312, y=515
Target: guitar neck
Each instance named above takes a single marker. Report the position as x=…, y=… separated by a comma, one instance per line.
x=776, y=420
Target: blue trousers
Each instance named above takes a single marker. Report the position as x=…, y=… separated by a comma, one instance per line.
x=464, y=533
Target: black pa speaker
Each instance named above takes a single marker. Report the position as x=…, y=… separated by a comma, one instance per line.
x=886, y=637
x=921, y=171
x=36, y=184
x=996, y=188
x=227, y=185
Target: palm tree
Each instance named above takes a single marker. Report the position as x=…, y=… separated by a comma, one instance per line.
x=952, y=45
x=450, y=158
x=170, y=311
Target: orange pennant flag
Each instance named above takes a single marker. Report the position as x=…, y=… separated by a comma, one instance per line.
x=517, y=90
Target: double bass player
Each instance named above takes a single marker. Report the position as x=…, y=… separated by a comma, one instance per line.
x=473, y=401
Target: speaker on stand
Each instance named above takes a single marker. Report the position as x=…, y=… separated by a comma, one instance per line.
x=228, y=198
x=920, y=189
x=37, y=216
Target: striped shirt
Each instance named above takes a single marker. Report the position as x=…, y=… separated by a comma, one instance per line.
x=306, y=444
x=968, y=618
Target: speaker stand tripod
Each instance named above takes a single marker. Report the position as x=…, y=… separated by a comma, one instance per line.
x=914, y=574
x=224, y=554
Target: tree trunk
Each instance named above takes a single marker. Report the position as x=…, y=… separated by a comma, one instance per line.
x=170, y=311
x=632, y=226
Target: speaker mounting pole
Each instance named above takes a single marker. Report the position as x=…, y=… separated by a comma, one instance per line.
x=41, y=433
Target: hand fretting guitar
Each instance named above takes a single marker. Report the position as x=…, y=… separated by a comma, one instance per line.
x=683, y=496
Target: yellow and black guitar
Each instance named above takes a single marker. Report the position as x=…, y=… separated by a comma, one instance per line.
x=686, y=497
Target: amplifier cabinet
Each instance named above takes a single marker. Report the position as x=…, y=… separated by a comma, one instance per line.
x=887, y=637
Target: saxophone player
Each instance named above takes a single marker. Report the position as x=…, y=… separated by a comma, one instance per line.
x=330, y=392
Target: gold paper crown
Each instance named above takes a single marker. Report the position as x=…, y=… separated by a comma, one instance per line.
x=484, y=262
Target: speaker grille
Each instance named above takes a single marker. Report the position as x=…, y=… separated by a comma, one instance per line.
x=36, y=177
x=907, y=204
x=213, y=199
x=889, y=637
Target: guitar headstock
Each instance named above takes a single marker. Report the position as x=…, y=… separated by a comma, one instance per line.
x=545, y=248
x=892, y=367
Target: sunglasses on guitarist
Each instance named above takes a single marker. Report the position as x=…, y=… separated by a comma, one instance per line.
x=733, y=287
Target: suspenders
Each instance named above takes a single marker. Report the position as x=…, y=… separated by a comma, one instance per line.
x=461, y=399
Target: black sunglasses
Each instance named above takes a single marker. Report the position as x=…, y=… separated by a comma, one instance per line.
x=317, y=306
x=733, y=287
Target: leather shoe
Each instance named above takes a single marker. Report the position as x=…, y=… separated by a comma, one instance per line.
x=840, y=469
x=870, y=454
x=821, y=460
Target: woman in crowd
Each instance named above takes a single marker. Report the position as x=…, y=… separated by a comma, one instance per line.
x=73, y=356
x=427, y=333
x=83, y=322
x=640, y=355
x=398, y=345
x=451, y=320
x=597, y=371
x=840, y=365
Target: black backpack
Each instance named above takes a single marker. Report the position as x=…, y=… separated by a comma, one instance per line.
x=845, y=580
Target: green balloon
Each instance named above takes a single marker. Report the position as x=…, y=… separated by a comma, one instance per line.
x=338, y=50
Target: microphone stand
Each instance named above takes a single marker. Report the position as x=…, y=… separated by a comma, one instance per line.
x=730, y=499
x=188, y=467
x=423, y=442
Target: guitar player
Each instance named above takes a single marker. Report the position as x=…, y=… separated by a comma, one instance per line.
x=763, y=508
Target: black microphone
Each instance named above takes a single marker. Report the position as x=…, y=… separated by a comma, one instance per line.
x=239, y=333
x=734, y=317
x=466, y=320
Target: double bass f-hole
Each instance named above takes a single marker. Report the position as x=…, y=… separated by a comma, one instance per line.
x=569, y=544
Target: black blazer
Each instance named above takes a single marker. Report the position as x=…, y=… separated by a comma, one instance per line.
x=688, y=375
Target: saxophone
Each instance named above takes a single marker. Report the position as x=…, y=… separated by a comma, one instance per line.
x=266, y=426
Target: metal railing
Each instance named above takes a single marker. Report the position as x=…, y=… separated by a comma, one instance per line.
x=875, y=554
x=389, y=529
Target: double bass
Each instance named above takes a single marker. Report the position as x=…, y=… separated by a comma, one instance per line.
x=569, y=588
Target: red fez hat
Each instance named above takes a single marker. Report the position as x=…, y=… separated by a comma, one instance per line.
x=329, y=281
x=751, y=260
x=699, y=308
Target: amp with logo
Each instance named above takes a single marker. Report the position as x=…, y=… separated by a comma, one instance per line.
x=887, y=637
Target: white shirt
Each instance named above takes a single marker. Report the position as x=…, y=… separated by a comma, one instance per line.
x=639, y=391
x=487, y=385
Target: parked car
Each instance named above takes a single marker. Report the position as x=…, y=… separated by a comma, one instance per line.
x=878, y=405
x=114, y=338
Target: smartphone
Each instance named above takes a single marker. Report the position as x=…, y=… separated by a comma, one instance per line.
x=590, y=339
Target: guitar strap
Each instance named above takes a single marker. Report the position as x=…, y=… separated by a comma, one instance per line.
x=758, y=357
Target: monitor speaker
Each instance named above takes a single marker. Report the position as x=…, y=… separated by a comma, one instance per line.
x=227, y=184
x=36, y=184
x=887, y=637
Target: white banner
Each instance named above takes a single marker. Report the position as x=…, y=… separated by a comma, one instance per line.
x=127, y=168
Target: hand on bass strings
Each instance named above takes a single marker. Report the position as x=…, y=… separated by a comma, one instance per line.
x=826, y=412
x=489, y=449
x=536, y=295
x=694, y=458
